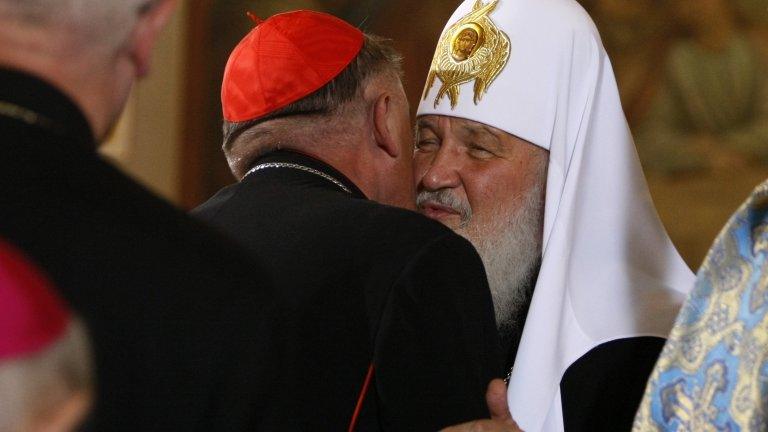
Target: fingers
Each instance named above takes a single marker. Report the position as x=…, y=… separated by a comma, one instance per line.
x=501, y=420
x=496, y=398
x=485, y=426
x=464, y=427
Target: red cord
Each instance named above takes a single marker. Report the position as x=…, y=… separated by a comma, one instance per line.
x=361, y=399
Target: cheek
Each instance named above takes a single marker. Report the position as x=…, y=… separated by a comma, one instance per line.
x=407, y=173
x=492, y=191
x=481, y=191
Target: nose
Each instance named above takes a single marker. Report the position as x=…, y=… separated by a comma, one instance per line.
x=443, y=172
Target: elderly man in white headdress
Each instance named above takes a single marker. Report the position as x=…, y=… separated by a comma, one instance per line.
x=523, y=148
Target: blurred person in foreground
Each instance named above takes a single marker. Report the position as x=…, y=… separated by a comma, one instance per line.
x=171, y=306
x=390, y=312
x=45, y=360
x=712, y=373
x=523, y=148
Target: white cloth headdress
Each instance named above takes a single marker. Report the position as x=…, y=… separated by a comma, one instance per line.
x=609, y=271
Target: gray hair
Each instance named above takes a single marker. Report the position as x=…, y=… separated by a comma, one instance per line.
x=31, y=386
x=105, y=22
x=510, y=248
x=377, y=57
x=511, y=255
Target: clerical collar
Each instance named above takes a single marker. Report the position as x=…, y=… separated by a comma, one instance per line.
x=36, y=103
x=302, y=163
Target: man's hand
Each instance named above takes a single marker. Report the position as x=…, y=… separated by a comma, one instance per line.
x=501, y=419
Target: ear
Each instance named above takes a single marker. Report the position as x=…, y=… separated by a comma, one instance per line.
x=146, y=32
x=384, y=120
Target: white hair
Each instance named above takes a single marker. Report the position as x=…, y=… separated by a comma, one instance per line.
x=509, y=245
x=32, y=386
x=511, y=254
x=105, y=22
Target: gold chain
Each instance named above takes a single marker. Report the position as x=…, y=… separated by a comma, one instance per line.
x=25, y=115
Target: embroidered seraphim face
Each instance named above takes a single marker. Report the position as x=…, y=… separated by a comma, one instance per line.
x=471, y=49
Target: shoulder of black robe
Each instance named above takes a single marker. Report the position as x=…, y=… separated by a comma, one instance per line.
x=364, y=281
x=433, y=341
x=172, y=307
x=602, y=390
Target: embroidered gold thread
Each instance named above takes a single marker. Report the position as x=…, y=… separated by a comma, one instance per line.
x=473, y=48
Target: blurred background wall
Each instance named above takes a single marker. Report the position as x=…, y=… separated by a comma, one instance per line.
x=148, y=142
x=692, y=76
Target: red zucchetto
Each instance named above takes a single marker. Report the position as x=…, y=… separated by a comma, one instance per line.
x=32, y=317
x=285, y=58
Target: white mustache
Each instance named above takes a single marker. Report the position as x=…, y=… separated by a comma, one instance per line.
x=446, y=198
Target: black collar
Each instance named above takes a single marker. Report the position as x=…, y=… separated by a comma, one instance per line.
x=292, y=157
x=61, y=115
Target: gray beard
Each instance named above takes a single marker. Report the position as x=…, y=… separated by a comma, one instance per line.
x=511, y=254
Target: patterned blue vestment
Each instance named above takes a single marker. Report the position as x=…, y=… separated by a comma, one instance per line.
x=713, y=372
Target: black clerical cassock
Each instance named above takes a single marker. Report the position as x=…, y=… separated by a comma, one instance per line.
x=363, y=283
x=172, y=308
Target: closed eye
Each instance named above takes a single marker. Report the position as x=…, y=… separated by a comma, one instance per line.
x=480, y=152
x=426, y=145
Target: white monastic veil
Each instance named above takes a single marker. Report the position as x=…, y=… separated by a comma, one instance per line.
x=609, y=270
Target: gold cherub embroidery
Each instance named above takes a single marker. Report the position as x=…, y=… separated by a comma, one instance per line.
x=472, y=48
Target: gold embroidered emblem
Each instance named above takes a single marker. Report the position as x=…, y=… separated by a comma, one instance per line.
x=472, y=48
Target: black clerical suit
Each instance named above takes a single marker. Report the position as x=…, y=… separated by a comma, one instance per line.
x=171, y=306
x=365, y=283
x=601, y=391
